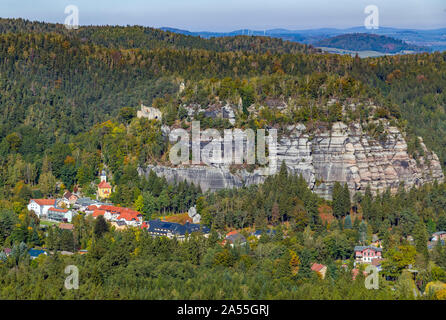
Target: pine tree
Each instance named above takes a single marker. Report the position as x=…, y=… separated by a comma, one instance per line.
x=346, y=200
x=341, y=200
x=421, y=238
x=275, y=213
x=100, y=226
x=366, y=204
x=363, y=232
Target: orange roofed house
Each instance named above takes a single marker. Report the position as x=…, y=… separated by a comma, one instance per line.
x=104, y=188
x=111, y=213
x=319, y=268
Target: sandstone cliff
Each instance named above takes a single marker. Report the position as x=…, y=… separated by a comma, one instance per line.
x=323, y=156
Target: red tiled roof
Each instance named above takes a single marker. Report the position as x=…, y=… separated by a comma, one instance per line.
x=231, y=233
x=97, y=213
x=111, y=208
x=129, y=215
x=66, y=226
x=104, y=185
x=44, y=202
x=317, y=267
x=58, y=210
x=118, y=210
x=92, y=207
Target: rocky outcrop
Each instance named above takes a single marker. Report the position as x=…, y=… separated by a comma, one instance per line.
x=323, y=156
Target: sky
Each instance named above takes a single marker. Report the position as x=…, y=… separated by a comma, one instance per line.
x=228, y=15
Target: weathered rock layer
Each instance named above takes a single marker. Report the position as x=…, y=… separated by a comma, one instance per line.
x=343, y=153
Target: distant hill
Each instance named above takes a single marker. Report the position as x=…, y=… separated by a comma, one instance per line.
x=368, y=42
x=435, y=39
x=139, y=37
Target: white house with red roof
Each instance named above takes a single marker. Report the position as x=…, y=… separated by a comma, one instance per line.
x=69, y=198
x=319, y=268
x=112, y=213
x=366, y=254
x=130, y=217
x=41, y=206
x=441, y=235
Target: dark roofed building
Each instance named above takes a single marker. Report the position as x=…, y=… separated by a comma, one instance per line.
x=235, y=238
x=173, y=230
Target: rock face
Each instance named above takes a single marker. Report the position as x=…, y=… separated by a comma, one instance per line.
x=208, y=178
x=344, y=153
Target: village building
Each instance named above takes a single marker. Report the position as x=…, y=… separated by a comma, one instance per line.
x=7, y=251
x=69, y=198
x=234, y=238
x=114, y=214
x=104, y=188
x=366, y=254
x=97, y=212
x=259, y=233
x=440, y=235
x=41, y=206
x=82, y=204
x=130, y=217
x=158, y=228
x=376, y=242
x=66, y=226
x=319, y=268
x=119, y=225
x=61, y=215
x=377, y=263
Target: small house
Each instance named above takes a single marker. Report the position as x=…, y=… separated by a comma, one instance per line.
x=104, y=190
x=440, y=235
x=158, y=228
x=366, y=254
x=320, y=269
x=69, y=198
x=66, y=226
x=119, y=225
x=41, y=206
x=61, y=215
x=234, y=238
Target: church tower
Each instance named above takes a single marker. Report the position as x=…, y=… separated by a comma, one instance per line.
x=103, y=176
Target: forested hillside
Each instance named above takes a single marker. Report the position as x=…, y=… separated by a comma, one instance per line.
x=46, y=76
x=68, y=102
x=150, y=38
